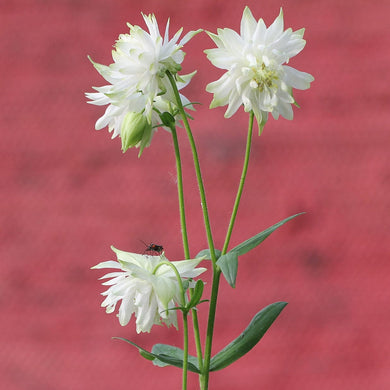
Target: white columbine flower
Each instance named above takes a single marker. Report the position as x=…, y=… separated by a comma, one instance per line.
x=138, y=82
x=144, y=290
x=256, y=75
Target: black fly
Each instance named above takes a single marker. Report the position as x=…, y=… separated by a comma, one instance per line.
x=153, y=248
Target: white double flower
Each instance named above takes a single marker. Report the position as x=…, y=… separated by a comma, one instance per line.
x=137, y=79
x=145, y=288
x=257, y=76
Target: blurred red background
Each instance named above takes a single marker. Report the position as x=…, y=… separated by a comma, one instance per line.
x=68, y=193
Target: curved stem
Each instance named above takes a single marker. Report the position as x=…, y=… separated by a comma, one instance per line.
x=185, y=321
x=178, y=277
x=241, y=185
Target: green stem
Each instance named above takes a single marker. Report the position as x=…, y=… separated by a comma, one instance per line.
x=185, y=348
x=180, y=193
x=185, y=238
x=241, y=186
x=198, y=344
x=197, y=167
x=210, y=328
x=216, y=271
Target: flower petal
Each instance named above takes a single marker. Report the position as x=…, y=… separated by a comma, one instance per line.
x=107, y=264
x=248, y=24
x=297, y=79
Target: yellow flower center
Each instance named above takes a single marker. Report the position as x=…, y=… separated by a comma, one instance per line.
x=263, y=77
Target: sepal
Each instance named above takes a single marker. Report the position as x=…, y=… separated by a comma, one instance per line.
x=207, y=255
x=197, y=295
x=229, y=267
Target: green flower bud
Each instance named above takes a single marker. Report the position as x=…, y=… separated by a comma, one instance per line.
x=135, y=131
x=167, y=119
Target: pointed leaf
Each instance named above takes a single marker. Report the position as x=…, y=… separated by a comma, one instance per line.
x=169, y=352
x=229, y=261
x=229, y=265
x=169, y=356
x=256, y=240
x=248, y=338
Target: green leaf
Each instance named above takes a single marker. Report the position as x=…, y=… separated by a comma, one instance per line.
x=256, y=240
x=165, y=355
x=229, y=261
x=248, y=338
x=168, y=355
x=229, y=265
x=206, y=252
x=197, y=294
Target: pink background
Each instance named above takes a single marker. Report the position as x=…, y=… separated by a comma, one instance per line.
x=68, y=193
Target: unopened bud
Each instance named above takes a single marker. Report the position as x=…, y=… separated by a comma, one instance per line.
x=167, y=119
x=134, y=129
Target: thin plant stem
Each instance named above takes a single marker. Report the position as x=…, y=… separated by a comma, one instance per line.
x=185, y=349
x=197, y=167
x=198, y=344
x=216, y=271
x=210, y=328
x=241, y=185
x=180, y=191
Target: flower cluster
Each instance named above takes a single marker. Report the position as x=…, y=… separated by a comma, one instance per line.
x=146, y=287
x=256, y=76
x=139, y=91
